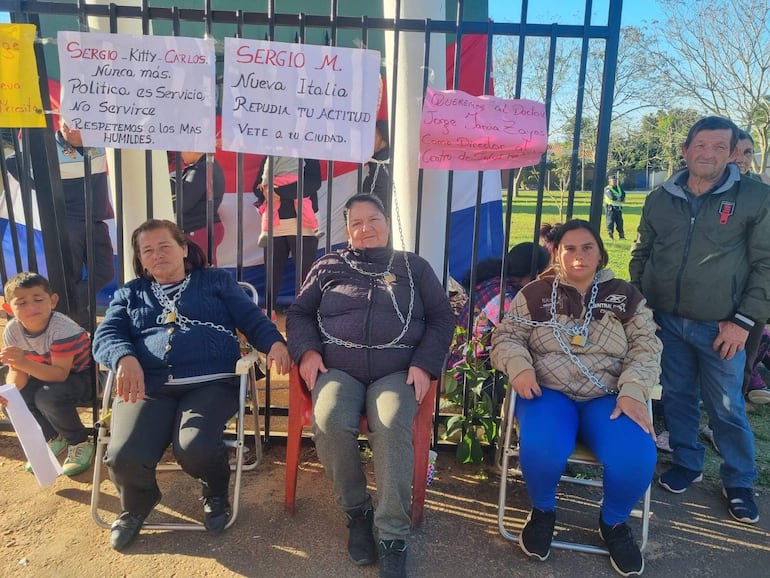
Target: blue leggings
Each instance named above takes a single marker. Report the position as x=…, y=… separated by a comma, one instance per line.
x=550, y=425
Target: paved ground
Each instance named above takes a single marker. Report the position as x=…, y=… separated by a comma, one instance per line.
x=49, y=532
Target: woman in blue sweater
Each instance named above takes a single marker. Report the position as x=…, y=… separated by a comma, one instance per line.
x=170, y=338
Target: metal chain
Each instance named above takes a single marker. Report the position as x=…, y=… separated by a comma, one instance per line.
x=393, y=343
x=581, y=330
x=170, y=306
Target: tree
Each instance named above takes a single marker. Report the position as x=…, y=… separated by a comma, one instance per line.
x=713, y=53
x=664, y=133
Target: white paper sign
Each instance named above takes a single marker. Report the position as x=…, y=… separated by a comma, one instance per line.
x=45, y=466
x=299, y=100
x=139, y=92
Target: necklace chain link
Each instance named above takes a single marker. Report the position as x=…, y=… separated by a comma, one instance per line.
x=171, y=314
x=581, y=330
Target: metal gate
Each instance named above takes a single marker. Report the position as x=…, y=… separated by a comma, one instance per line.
x=337, y=22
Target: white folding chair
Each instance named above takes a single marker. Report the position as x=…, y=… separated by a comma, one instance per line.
x=249, y=369
x=581, y=456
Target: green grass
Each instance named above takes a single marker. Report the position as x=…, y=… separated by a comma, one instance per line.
x=523, y=222
x=522, y=229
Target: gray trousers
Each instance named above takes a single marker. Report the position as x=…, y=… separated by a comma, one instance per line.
x=339, y=400
x=192, y=418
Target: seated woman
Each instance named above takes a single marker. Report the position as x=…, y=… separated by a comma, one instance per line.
x=486, y=298
x=369, y=329
x=580, y=350
x=170, y=338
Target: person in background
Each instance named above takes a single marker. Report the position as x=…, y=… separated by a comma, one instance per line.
x=614, y=196
x=69, y=147
x=369, y=329
x=580, y=351
x=49, y=356
x=743, y=156
x=285, y=240
x=377, y=180
x=753, y=384
x=170, y=337
x=487, y=302
x=547, y=234
x=192, y=215
x=702, y=260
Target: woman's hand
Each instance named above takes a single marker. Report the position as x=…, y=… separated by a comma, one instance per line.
x=636, y=410
x=129, y=379
x=525, y=384
x=279, y=355
x=420, y=380
x=309, y=366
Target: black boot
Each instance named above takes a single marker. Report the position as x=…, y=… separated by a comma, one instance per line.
x=361, y=547
x=392, y=559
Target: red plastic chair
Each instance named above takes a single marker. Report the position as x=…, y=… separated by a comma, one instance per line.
x=300, y=406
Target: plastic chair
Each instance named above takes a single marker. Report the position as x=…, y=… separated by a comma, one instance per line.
x=300, y=407
x=580, y=456
x=249, y=369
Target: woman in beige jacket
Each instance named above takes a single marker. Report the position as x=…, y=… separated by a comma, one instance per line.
x=580, y=350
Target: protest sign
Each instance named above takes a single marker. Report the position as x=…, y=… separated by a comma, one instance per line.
x=20, y=103
x=464, y=132
x=141, y=92
x=299, y=100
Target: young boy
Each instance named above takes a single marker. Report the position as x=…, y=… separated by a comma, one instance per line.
x=49, y=357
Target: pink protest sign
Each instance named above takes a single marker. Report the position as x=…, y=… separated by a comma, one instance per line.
x=464, y=132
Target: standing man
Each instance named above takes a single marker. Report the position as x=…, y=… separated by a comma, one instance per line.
x=69, y=145
x=702, y=260
x=614, y=195
x=69, y=148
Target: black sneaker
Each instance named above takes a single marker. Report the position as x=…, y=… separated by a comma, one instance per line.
x=625, y=555
x=361, y=546
x=392, y=559
x=740, y=502
x=537, y=534
x=216, y=513
x=126, y=527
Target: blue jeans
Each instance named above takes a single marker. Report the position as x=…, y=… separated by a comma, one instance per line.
x=550, y=424
x=692, y=371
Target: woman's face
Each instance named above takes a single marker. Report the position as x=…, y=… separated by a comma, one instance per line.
x=161, y=256
x=743, y=155
x=578, y=256
x=367, y=226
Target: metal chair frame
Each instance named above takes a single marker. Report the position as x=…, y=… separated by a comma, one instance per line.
x=581, y=455
x=246, y=369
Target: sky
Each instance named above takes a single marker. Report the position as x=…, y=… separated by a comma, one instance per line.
x=635, y=12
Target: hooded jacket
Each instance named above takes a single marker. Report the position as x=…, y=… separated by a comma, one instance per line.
x=707, y=263
x=622, y=351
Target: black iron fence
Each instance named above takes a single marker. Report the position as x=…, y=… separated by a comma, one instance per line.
x=33, y=185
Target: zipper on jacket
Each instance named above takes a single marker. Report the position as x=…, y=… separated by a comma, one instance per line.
x=680, y=273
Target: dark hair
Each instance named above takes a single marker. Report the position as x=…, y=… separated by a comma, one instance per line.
x=381, y=126
x=575, y=224
x=25, y=280
x=363, y=198
x=518, y=263
x=745, y=135
x=196, y=258
x=548, y=231
x=714, y=123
